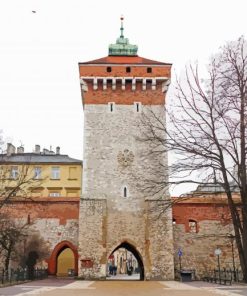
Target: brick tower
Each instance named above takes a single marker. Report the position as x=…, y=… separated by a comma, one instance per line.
x=114, y=211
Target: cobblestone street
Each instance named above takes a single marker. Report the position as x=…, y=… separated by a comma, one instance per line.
x=59, y=287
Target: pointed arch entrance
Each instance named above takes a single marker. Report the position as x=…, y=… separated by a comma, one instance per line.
x=63, y=257
x=129, y=247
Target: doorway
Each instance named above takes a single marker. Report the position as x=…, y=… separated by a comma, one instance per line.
x=125, y=263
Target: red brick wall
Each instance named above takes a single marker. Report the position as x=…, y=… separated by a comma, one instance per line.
x=63, y=209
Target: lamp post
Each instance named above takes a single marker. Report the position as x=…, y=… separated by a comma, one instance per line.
x=217, y=253
x=232, y=238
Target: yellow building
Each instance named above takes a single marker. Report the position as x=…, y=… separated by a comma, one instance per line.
x=40, y=173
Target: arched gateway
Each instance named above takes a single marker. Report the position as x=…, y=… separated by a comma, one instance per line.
x=136, y=268
x=116, y=91
x=63, y=260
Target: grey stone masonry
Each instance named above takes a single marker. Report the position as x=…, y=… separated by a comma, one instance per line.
x=115, y=207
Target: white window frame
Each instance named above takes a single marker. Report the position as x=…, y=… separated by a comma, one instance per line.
x=14, y=172
x=54, y=194
x=55, y=173
x=37, y=175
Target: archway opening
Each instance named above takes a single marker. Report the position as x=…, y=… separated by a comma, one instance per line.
x=65, y=263
x=63, y=259
x=125, y=263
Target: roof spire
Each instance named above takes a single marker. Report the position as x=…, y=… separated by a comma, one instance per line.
x=122, y=28
x=122, y=46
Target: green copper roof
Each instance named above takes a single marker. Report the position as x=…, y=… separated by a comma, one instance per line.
x=122, y=46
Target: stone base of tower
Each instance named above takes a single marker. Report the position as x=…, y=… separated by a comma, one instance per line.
x=160, y=248
x=102, y=231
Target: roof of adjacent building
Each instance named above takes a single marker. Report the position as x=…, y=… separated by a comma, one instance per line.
x=38, y=158
x=125, y=60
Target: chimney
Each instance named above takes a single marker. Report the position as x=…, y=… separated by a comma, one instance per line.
x=37, y=149
x=20, y=149
x=57, y=150
x=10, y=149
x=46, y=151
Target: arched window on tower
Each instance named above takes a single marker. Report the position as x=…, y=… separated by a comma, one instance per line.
x=125, y=193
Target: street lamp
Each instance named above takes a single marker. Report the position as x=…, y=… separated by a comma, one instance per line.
x=232, y=238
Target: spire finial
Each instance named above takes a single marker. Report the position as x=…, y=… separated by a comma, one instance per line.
x=122, y=46
x=122, y=28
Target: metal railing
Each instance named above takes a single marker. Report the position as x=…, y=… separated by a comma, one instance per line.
x=21, y=275
x=224, y=275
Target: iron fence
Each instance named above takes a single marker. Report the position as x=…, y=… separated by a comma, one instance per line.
x=224, y=275
x=21, y=275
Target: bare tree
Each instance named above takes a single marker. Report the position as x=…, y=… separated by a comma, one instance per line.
x=12, y=233
x=206, y=131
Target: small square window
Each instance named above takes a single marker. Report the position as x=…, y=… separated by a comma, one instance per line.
x=108, y=69
x=192, y=226
x=54, y=194
x=128, y=69
x=149, y=70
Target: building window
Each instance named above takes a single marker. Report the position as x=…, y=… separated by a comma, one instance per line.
x=149, y=70
x=37, y=173
x=128, y=69
x=125, y=193
x=111, y=106
x=192, y=226
x=14, y=172
x=137, y=106
x=55, y=173
x=54, y=194
x=174, y=222
x=72, y=173
x=108, y=69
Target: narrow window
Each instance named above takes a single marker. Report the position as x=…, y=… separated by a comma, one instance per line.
x=192, y=226
x=128, y=69
x=174, y=222
x=55, y=173
x=111, y=106
x=137, y=106
x=108, y=69
x=125, y=192
x=28, y=219
x=149, y=70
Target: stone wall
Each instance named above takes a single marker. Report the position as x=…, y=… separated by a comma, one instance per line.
x=116, y=165
x=213, y=231
x=92, y=238
x=51, y=221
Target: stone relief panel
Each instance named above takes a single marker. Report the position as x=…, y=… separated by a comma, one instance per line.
x=125, y=158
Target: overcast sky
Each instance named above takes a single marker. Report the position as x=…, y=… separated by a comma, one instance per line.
x=39, y=54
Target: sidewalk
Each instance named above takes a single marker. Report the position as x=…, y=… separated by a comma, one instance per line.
x=233, y=290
